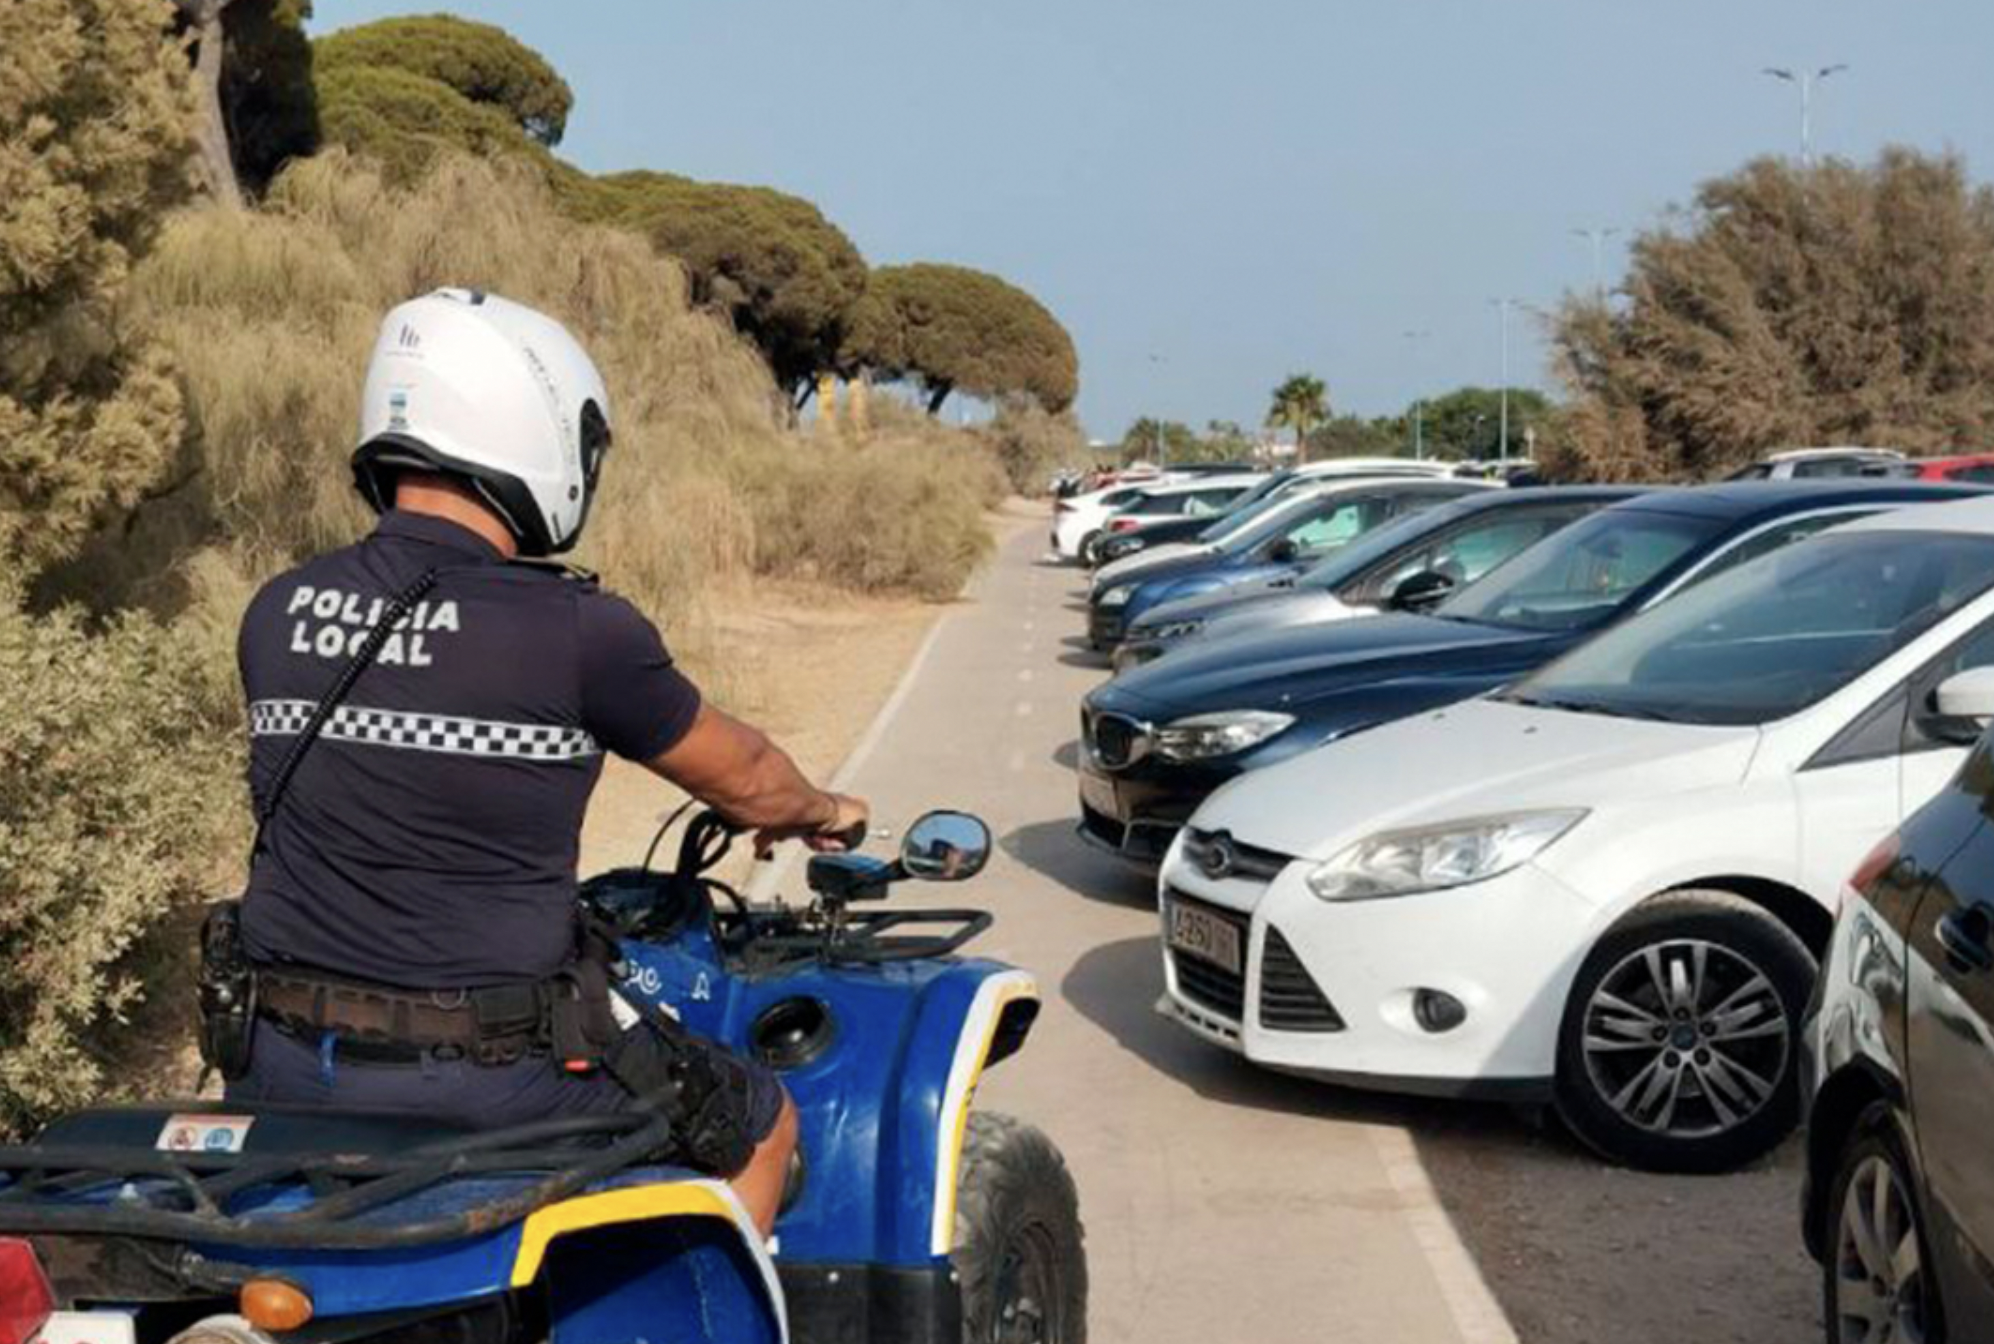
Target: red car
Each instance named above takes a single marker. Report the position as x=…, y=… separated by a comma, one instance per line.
x=1970, y=468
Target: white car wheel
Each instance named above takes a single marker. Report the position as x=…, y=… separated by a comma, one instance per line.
x=1681, y=1035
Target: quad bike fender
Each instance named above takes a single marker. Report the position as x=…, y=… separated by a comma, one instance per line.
x=970, y=1036
x=657, y=1246
x=678, y=1261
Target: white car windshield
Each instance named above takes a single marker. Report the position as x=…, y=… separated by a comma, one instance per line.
x=1584, y=574
x=1772, y=636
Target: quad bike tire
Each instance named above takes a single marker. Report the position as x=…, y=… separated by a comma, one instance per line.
x=1019, y=1246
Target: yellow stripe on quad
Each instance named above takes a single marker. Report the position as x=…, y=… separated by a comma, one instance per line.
x=629, y=1204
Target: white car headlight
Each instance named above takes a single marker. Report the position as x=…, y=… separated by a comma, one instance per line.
x=1118, y=596
x=1433, y=858
x=1203, y=736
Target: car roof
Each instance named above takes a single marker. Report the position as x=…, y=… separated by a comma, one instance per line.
x=1213, y=482
x=1403, y=466
x=1961, y=515
x=1838, y=450
x=1745, y=500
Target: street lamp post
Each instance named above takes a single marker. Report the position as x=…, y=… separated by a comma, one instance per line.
x=1597, y=237
x=1503, y=306
x=1418, y=405
x=1805, y=79
x=1156, y=428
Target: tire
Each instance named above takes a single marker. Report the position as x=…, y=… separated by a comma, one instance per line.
x=1864, y=1288
x=1019, y=1252
x=1725, y=984
x=1090, y=549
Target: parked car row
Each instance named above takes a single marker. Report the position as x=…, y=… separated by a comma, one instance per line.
x=1555, y=795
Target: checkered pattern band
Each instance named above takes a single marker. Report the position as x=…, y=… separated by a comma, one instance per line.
x=426, y=732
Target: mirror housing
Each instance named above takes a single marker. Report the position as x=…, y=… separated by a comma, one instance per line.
x=1416, y=592
x=945, y=847
x=1962, y=706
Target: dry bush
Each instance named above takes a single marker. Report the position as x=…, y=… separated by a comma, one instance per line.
x=1032, y=444
x=270, y=314
x=112, y=789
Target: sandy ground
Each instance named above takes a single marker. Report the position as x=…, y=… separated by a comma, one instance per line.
x=814, y=665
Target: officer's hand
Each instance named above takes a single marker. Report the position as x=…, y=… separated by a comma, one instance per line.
x=846, y=827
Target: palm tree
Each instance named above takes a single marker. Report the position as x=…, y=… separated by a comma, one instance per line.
x=1301, y=403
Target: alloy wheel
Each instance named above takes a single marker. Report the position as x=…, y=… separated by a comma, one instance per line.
x=1686, y=1038
x=1879, y=1291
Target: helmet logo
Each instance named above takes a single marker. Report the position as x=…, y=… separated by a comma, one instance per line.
x=410, y=338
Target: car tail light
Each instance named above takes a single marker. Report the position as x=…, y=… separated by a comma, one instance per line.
x=1123, y=524
x=1873, y=866
x=26, y=1300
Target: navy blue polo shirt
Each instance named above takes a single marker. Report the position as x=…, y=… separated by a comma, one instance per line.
x=429, y=837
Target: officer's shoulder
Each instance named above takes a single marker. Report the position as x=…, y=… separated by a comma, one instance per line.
x=559, y=571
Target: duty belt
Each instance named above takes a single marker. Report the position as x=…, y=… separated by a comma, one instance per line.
x=490, y=1025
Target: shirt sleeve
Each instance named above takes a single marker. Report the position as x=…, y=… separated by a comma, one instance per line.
x=635, y=701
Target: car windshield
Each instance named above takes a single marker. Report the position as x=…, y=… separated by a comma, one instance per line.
x=1245, y=513
x=1583, y=575
x=1349, y=561
x=1771, y=637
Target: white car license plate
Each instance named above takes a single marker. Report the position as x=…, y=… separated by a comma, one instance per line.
x=88, y=1327
x=1207, y=936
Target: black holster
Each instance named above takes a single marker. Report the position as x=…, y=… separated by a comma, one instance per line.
x=581, y=1026
x=227, y=992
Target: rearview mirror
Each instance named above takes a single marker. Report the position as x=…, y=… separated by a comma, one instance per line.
x=945, y=847
x=1418, y=591
x=1963, y=706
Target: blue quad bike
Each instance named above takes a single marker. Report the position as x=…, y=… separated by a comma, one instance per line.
x=908, y=1218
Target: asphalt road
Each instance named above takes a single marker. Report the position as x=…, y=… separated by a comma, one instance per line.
x=1226, y=1204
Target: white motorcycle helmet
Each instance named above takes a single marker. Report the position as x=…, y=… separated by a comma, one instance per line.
x=491, y=392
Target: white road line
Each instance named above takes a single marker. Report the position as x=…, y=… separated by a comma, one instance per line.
x=769, y=880
x=1477, y=1315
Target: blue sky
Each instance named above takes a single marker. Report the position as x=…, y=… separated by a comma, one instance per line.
x=1212, y=195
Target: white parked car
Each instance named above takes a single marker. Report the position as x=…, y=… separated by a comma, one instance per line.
x=1824, y=463
x=1607, y=885
x=1078, y=520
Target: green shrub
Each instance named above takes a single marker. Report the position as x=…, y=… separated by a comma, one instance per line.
x=113, y=787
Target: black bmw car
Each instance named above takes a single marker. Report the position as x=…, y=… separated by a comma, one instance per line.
x=1899, y=1069
x=1158, y=739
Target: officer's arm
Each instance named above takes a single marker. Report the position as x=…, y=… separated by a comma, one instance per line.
x=734, y=768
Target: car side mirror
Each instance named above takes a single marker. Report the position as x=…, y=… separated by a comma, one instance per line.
x=945, y=847
x=1416, y=592
x=1962, y=706
x=1284, y=551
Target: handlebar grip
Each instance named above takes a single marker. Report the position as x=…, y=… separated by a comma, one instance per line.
x=853, y=836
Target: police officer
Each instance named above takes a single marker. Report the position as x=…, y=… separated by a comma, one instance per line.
x=411, y=907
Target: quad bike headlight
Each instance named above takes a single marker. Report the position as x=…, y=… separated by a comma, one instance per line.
x=1201, y=737
x=1434, y=858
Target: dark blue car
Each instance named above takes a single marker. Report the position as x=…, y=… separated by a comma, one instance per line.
x=1284, y=541
x=1158, y=739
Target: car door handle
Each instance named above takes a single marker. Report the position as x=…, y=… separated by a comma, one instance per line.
x=1963, y=934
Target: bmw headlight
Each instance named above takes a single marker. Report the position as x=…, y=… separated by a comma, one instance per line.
x=1200, y=737
x=1433, y=858
x=1176, y=629
x=1118, y=596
